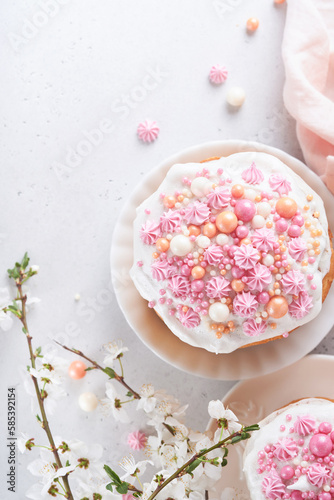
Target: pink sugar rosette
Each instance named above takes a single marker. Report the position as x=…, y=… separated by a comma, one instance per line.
x=150, y=232
x=301, y=307
x=304, y=425
x=197, y=213
x=285, y=449
x=318, y=475
x=170, y=220
x=264, y=239
x=246, y=256
x=259, y=277
x=160, y=270
x=293, y=282
x=213, y=254
x=217, y=287
x=279, y=184
x=179, y=286
x=245, y=304
x=190, y=318
x=148, y=131
x=137, y=440
x=219, y=198
x=252, y=175
x=272, y=486
x=297, y=248
x=218, y=74
x=253, y=329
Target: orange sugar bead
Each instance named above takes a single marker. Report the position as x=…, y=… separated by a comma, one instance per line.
x=219, y=334
x=197, y=272
x=307, y=224
x=269, y=224
x=226, y=222
x=252, y=24
x=286, y=207
x=228, y=300
x=155, y=255
x=273, y=325
x=276, y=284
x=277, y=257
x=185, y=309
x=316, y=243
x=237, y=191
x=319, y=232
x=306, y=207
x=304, y=263
x=180, y=197
x=226, y=330
x=237, y=285
x=230, y=324
x=317, y=251
x=162, y=244
x=194, y=230
x=277, y=307
x=309, y=197
x=223, y=272
x=258, y=198
x=245, y=241
x=213, y=326
x=209, y=230
x=169, y=201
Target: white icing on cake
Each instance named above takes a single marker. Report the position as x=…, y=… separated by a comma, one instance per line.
x=201, y=199
x=296, y=426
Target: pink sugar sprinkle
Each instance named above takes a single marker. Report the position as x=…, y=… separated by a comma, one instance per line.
x=140, y=263
x=147, y=211
x=148, y=131
x=151, y=304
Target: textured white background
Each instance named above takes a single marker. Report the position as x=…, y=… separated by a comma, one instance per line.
x=67, y=67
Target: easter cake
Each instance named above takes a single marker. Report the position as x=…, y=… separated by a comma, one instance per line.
x=233, y=251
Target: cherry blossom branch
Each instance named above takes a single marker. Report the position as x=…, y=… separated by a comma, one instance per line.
x=111, y=374
x=20, y=276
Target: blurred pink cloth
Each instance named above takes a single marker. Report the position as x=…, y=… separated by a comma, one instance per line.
x=308, y=54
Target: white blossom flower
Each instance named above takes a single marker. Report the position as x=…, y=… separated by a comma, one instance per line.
x=227, y=420
x=52, y=393
x=46, y=471
x=147, y=400
x=21, y=442
x=112, y=404
x=130, y=466
x=114, y=349
x=85, y=457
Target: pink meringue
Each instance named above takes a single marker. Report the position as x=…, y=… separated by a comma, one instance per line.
x=317, y=475
x=197, y=213
x=170, y=220
x=150, y=232
x=253, y=329
x=259, y=277
x=217, y=288
x=279, y=184
x=272, y=486
x=137, y=440
x=245, y=304
x=297, y=248
x=219, y=198
x=190, y=318
x=252, y=175
x=148, y=131
x=160, y=270
x=179, y=286
x=246, y=256
x=264, y=239
x=218, y=74
x=304, y=425
x=293, y=282
x=301, y=306
x=285, y=449
x=214, y=254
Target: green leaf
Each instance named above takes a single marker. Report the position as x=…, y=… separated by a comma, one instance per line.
x=112, y=474
x=90, y=368
x=236, y=439
x=110, y=372
x=123, y=488
x=24, y=330
x=129, y=394
x=250, y=428
x=224, y=462
x=25, y=261
x=225, y=452
x=194, y=465
x=109, y=487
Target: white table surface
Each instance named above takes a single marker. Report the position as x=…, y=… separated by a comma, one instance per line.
x=64, y=74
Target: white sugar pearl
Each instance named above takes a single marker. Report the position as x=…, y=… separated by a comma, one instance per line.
x=250, y=194
x=228, y=267
x=203, y=241
x=264, y=314
x=278, y=276
x=177, y=204
x=258, y=320
x=169, y=237
x=195, y=261
x=311, y=252
x=277, y=292
x=268, y=260
x=201, y=186
x=200, y=250
x=263, y=208
x=195, y=255
x=236, y=96
x=186, y=232
x=213, y=273
x=222, y=239
x=326, y=487
x=180, y=245
x=77, y=297
x=304, y=463
x=258, y=221
x=219, y=312
x=211, y=301
x=281, y=270
x=88, y=401
x=296, y=461
x=185, y=201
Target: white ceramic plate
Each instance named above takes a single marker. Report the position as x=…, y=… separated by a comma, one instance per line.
x=254, y=399
x=240, y=364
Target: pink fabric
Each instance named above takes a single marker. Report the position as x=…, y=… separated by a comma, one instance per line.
x=308, y=54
